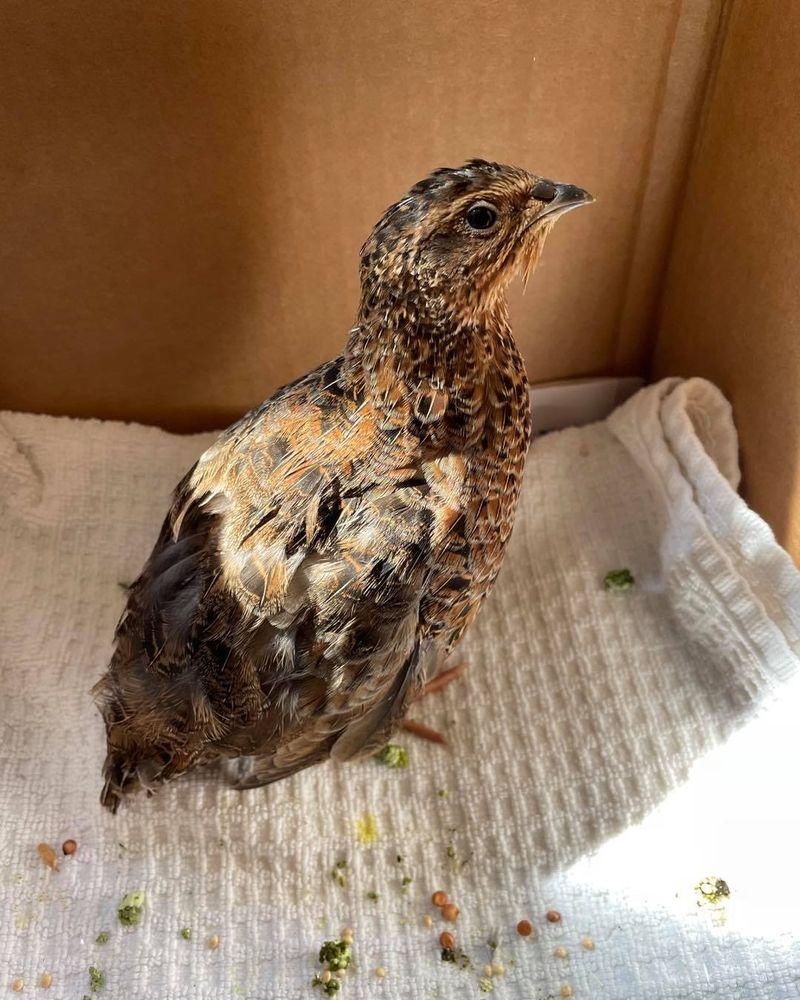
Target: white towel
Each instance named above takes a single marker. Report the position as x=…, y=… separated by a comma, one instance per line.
x=609, y=750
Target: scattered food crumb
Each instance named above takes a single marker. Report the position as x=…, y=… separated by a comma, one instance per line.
x=553, y=916
x=338, y=873
x=96, y=979
x=48, y=856
x=450, y=912
x=213, y=942
x=561, y=952
x=367, y=830
x=446, y=940
x=380, y=972
x=456, y=956
x=485, y=985
x=129, y=911
x=329, y=985
x=186, y=933
x=566, y=990
x=498, y=969
x=524, y=928
x=393, y=756
x=427, y=920
x=102, y=938
x=618, y=579
x=712, y=890
x=587, y=943
x=373, y=896
x=443, y=793
x=18, y=985
x=439, y=898
x=337, y=955
x=46, y=981
x=405, y=883
x=69, y=847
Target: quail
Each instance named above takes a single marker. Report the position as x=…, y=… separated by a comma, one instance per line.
x=321, y=559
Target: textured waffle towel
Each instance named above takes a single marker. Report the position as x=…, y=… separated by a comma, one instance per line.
x=609, y=750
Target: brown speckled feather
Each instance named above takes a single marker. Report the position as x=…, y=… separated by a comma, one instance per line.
x=320, y=558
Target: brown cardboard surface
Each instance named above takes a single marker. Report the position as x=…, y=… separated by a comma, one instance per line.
x=186, y=185
x=731, y=307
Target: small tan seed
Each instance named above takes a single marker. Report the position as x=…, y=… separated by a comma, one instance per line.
x=566, y=990
x=347, y=932
x=487, y=971
x=450, y=912
x=69, y=847
x=213, y=942
x=553, y=916
x=439, y=898
x=380, y=972
x=46, y=981
x=524, y=928
x=427, y=920
x=498, y=969
x=326, y=976
x=340, y=973
x=587, y=943
x=561, y=952
x=18, y=985
x=446, y=940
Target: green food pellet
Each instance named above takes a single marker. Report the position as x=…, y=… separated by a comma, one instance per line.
x=129, y=911
x=618, y=579
x=393, y=756
x=102, y=937
x=96, y=979
x=186, y=933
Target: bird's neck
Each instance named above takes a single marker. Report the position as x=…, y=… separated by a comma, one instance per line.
x=447, y=370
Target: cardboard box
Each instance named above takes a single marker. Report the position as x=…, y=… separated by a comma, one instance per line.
x=187, y=187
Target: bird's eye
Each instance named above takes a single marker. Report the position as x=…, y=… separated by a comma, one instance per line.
x=482, y=216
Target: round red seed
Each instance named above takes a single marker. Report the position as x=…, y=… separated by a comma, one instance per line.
x=446, y=940
x=553, y=916
x=439, y=898
x=69, y=847
x=524, y=928
x=450, y=912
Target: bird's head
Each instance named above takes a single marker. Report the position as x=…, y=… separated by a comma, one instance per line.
x=459, y=236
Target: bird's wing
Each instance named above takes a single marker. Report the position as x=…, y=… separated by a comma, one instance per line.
x=279, y=612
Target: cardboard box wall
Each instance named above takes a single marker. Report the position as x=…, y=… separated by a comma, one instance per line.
x=187, y=187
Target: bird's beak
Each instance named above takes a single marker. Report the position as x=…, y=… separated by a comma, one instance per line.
x=558, y=199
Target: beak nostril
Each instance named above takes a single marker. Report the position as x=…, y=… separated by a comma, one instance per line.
x=544, y=191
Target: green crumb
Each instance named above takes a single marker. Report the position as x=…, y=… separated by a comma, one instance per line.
x=405, y=883
x=338, y=874
x=102, y=938
x=186, y=933
x=329, y=988
x=338, y=955
x=618, y=579
x=399, y=859
x=456, y=957
x=129, y=911
x=485, y=985
x=443, y=793
x=367, y=830
x=373, y=896
x=393, y=756
x=712, y=890
x=96, y=979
